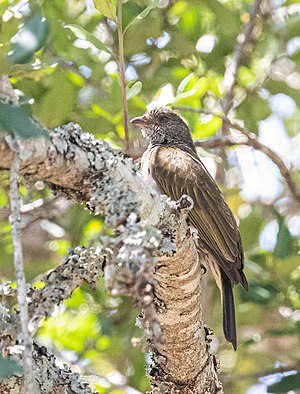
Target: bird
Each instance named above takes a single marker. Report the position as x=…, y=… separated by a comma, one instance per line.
x=172, y=165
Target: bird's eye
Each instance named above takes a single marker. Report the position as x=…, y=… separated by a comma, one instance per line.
x=162, y=118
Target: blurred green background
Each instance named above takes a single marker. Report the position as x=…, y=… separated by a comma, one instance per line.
x=177, y=55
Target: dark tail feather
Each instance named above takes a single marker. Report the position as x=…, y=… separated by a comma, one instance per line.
x=229, y=326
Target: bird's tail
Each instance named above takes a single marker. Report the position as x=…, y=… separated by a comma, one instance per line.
x=229, y=326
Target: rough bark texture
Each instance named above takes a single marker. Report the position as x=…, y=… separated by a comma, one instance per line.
x=152, y=234
x=48, y=377
x=185, y=364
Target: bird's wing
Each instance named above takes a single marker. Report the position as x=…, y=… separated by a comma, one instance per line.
x=178, y=170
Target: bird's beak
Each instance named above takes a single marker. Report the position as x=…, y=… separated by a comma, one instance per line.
x=140, y=121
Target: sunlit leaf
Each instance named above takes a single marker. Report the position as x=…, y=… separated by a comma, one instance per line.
x=286, y=384
x=30, y=38
x=183, y=84
x=208, y=127
x=142, y=15
x=194, y=89
x=134, y=90
x=13, y=119
x=107, y=8
x=81, y=33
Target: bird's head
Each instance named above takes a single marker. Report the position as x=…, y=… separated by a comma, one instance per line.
x=163, y=126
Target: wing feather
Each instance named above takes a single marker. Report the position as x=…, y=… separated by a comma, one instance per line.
x=178, y=170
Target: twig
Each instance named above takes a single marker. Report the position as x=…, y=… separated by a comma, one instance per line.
x=260, y=374
x=251, y=140
x=234, y=65
x=122, y=76
x=15, y=202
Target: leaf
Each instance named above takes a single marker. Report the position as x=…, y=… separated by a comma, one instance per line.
x=287, y=383
x=9, y=367
x=257, y=107
x=193, y=89
x=250, y=228
x=134, y=90
x=207, y=127
x=107, y=8
x=81, y=33
x=285, y=242
x=61, y=98
x=30, y=38
x=14, y=120
x=259, y=293
x=142, y=15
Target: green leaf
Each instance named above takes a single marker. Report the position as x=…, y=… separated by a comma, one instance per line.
x=134, y=90
x=107, y=8
x=250, y=228
x=285, y=242
x=287, y=383
x=142, y=15
x=14, y=120
x=195, y=88
x=30, y=38
x=61, y=98
x=283, y=331
x=81, y=33
x=207, y=127
x=9, y=367
x=257, y=107
x=262, y=293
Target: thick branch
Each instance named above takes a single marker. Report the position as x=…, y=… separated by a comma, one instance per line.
x=183, y=356
x=48, y=377
x=53, y=161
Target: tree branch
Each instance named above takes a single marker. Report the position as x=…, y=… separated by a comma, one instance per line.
x=122, y=76
x=250, y=140
x=15, y=203
x=48, y=377
x=232, y=69
x=262, y=373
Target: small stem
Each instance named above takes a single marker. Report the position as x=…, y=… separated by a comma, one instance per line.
x=15, y=203
x=122, y=76
x=232, y=69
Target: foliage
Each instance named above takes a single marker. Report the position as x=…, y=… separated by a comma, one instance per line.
x=13, y=119
x=175, y=52
x=9, y=368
